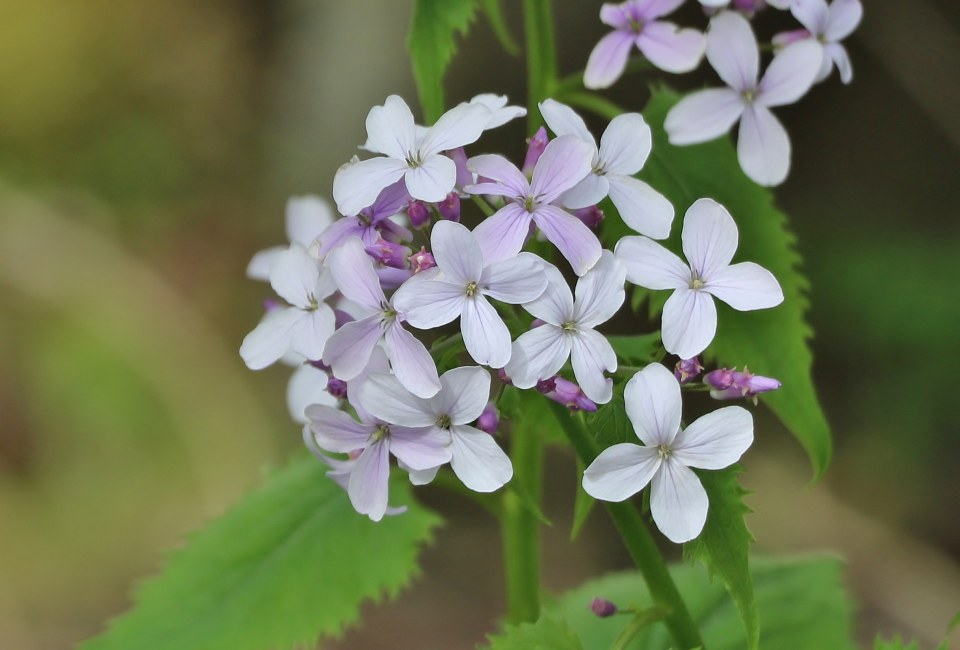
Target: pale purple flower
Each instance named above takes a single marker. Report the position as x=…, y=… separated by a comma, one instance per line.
x=709, y=240
x=828, y=24
x=635, y=22
x=418, y=159
x=763, y=146
x=476, y=458
x=563, y=391
x=746, y=7
x=304, y=326
x=730, y=384
x=306, y=217
x=678, y=501
x=568, y=330
x=349, y=348
x=564, y=163
x=370, y=224
x=624, y=148
x=463, y=281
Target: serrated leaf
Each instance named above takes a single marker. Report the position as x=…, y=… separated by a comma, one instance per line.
x=494, y=11
x=609, y=424
x=545, y=634
x=431, y=43
x=640, y=349
x=772, y=342
x=801, y=602
x=290, y=563
x=724, y=544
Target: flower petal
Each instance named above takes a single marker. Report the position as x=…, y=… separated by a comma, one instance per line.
x=464, y=394
x=390, y=130
x=501, y=170
x=420, y=449
x=502, y=235
x=844, y=17
x=429, y=303
x=590, y=191
x=461, y=125
x=293, y=275
x=456, y=252
x=485, y=335
x=716, y=440
x=537, y=354
x=650, y=265
x=353, y=272
x=348, y=350
x=703, y=116
x=689, y=323
x=670, y=48
x=310, y=333
x=641, y=207
x=271, y=338
x=600, y=292
x=709, y=238
x=791, y=73
x=516, y=280
x=608, y=60
x=563, y=120
x=411, y=362
x=591, y=354
x=763, y=146
x=433, y=179
x=306, y=218
x=572, y=237
x=262, y=261
x=369, y=481
x=564, y=163
x=838, y=55
x=678, y=501
x=812, y=14
x=652, y=401
x=307, y=385
x=478, y=461
x=620, y=471
x=357, y=184
x=732, y=50
x=555, y=304
x=625, y=144
x=384, y=397
x=336, y=431
x=746, y=286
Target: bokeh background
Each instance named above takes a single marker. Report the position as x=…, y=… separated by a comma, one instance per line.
x=147, y=149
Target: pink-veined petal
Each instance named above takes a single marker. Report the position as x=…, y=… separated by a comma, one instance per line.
x=485, y=335
x=390, y=130
x=745, y=286
x=465, y=392
x=384, y=397
x=358, y=184
x=420, y=449
x=652, y=401
x=709, y=238
x=336, y=431
x=411, y=362
x=575, y=241
x=716, y=440
x=429, y=303
x=670, y=48
x=537, y=354
x=590, y=191
x=307, y=385
x=555, y=304
x=433, y=179
x=650, y=265
x=348, y=350
x=457, y=252
x=369, y=481
x=625, y=144
x=689, y=323
x=600, y=292
x=641, y=207
x=791, y=73
x=620, y=471
x=515, y=281
x=732, y=50
x=812, y=14
x=763, y=146
x=563, y=120
x=565, y=161
x=501, y=170
x=608, y=59
x=310, y=334
x=478, y=461
x=271, y=338
x=591, y=354
x=262, y=261
x=293, y=275
x=844, y=17
x=703, y=116
x=458, y=127
x=353, y=272
x=306, y=218
x=502, y=235
x=678, y=501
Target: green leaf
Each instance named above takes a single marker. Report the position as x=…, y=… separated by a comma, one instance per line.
x=896, y=643
x=583, y=505
x=431, y=45
x=800, y=600
x=609, y=424
x=288, y=564
x=772, y=342
x=494, y=12
x=724, y=544
x=641, y=349
x=545, y=634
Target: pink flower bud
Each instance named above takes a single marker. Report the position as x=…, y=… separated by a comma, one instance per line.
x=419, y=213
x=449, y=208
x=422, y=260
x=535, y=147
x=720, y=379
x=687, y=370
x=603, y=607
x=489, y=419
x=742, y=385
x=564, y=391
x=591, y=216
x=389, y=253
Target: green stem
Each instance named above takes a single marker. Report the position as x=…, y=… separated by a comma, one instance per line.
x=485, y=207
x=574, y=82
x=541, y=58
x=592, y=102
x=638, y=541
x=521, y=531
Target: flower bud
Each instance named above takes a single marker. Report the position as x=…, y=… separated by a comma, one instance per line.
x=337, y=387
x=419, y=213
x=742, y=385
x=489, y=419
x=591, y=216
x=535, y=147
x=603, y=607
x=422, y=260
x=449, y=208
x=564, y=391
x=389, y=253
x=687, y=370
x=502, y=376
x=459, y=158
x=784, y=39
x=720, y=379
x=269, y=304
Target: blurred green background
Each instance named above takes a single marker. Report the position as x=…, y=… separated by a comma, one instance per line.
x=146, y=151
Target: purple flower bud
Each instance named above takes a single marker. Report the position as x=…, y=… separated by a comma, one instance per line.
x=464, y=175
x=603, y=607
x=784, y=39
x=269, y=304
x=537, y=323
x=502, y=376
x=419, y=213
x=422, y=260
x=743, y=385
x=535, y=147
x=565, y=392
x=449, y=208
x=720, y=379
x=337, y=387
x=389, y=253
x=489, y=419
x=687, y=370
x=591, y=216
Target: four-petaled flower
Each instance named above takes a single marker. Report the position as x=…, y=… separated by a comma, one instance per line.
x=306, y=217
x=678, y=501
x=829, y=25
x=372, y=223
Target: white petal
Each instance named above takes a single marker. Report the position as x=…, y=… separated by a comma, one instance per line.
x=293, y=275
x=652, y=401
x=608, y=59
x=485, y=335
x=650, y=265
x=838, y=54
x=310, y=333
x=422, y=477
x=502, y=235
x=433, y=179
x=732, y=50
x=464, y=394
x=458, y=127
x=306, y=218
x=590, y=191
x=429, y=303
x=716, y=440
x=709, y=238
x=812, y=14
x=515, y=281
x=348, y=350
x=763, y=146
x=307, y=385
x=625, y=145
x=384, y=397
x=336, y=431
x=703, y=116
x=689, y=323
x=591, y=354
x=271, y=339
x=555, y=304
x=620, y=471
x=564, y=163
x=420, y=449
x=576, y=242
x=262, y=261
x=353, y=272
x=478, y=461
x=499, y=111
x=390, y=130
x=537, y=354
x=670, y=48
x=791, y=73
x=844, y=17
x=457, y=252
x=563, y=120
x=600, y=292
x=746, y=286
x=357, y=185
x=641, y=207
x=411, y=361
x=678, y=501
x=501, y=170
x=369, y=481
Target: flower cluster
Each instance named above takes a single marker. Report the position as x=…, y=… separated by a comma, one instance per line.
x=803, y=57
x=368, y=319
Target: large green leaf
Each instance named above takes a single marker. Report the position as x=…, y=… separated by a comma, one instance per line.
x=545, y=634
x=290, y=563
x=771, y=342
x=431, y=44
x=801, y=603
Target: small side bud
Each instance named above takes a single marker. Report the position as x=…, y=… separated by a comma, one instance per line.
x=459, y=158
x=564, y=391
x=422, y=260
x=504, y=377
x=419, y=213
x=602, y=607
x=535, y=147
x=449, y=208
x=742, y=385
x=489, y=419
x=389, y=253
x=687, y=370
x=720, y=379
x=337, y=387
x=591, y=216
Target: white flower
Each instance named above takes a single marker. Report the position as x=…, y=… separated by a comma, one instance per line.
x=829, y=25
x=306, y=217
x=678, y=501
x=568, y=330
x=709, y=240
x=500, y=113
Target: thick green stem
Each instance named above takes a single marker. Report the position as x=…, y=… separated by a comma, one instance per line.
x=541, y=58
x=639, y=543
x=521, y=531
